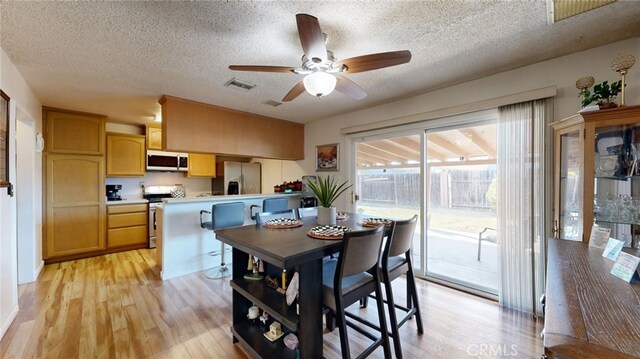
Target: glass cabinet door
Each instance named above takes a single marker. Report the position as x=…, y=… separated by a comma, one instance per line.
x=617, y=181
x=569, y=201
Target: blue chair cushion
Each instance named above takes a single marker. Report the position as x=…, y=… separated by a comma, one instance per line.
x=349, y=283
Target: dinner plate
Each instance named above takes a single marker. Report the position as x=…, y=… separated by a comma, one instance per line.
x=374, y=222
x=283, y=223
x=328, y=232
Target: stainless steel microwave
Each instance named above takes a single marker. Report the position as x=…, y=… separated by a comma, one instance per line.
x=167, y=161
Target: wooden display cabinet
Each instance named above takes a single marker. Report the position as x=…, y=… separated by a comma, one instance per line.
x=597, y=174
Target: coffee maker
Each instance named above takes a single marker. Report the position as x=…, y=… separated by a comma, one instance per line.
x=112, y=192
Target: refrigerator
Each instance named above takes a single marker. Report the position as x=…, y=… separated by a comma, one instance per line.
x=248, y=175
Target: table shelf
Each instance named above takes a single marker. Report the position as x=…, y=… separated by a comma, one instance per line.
x=251, y=337
x=268, y=299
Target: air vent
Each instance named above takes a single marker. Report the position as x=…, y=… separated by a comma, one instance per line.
x=272, y=103
x=562, y=9
x=239, y=84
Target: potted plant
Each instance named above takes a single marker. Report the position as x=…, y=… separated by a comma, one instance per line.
x=603, y=94
x=327, y=190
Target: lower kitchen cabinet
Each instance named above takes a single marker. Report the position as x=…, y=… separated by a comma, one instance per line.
x=127, y=225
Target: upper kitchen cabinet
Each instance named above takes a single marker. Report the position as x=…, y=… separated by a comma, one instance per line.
x=125, y=155
x=74, y=132
x=189, y=126
x=202, y=165
x=154, y=137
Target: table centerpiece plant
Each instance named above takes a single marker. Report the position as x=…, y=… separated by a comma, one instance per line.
x=327, y=190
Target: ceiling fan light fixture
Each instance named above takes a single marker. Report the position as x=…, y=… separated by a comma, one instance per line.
x=320, y=83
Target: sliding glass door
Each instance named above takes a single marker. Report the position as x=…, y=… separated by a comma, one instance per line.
x=388, y=181
x=461, y=237
x=447, y=176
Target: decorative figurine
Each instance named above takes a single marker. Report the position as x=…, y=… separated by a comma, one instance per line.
x=254, y=265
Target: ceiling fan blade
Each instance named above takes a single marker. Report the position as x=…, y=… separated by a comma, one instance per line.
x=376, y=61
x=295, y=92
x=350, y=88
x=282, y=69
x=311, y=38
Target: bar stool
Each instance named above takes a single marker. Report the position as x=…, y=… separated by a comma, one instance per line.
x=396, y=261
x=352, y=276
x=223, y=215
x=275, y=204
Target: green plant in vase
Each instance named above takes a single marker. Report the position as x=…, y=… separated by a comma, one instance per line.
x=327, y=190
x=603, y=94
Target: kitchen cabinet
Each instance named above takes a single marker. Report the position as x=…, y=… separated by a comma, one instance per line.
x=74, y=205
x=74, y=191
x=127, y=225
x=154, y=137
x=74, y=132
x=190, y=126
x=125, y=155
x=201, y=165
x=597, y=176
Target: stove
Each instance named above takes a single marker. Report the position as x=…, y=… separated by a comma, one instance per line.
x=155, y=195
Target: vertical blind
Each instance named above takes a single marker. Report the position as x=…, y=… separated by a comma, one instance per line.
x=522, y=201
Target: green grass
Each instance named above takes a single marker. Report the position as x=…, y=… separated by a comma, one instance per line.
x=458, y=220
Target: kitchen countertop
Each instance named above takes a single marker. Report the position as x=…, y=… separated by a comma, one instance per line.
x=127, y=201
x=228, y=197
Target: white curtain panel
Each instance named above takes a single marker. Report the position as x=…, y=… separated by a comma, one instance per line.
x=522, y=198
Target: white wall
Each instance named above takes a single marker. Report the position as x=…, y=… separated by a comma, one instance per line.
x=23, y=98
x=561, y=72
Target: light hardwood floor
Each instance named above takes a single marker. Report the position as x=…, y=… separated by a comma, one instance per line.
x=115, y=306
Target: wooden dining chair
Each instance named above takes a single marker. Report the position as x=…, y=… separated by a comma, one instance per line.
x=262, y=217
x=352, y=276
x=396, y=261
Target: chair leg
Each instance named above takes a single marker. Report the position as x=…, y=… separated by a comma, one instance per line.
x=330, y=320
x=411, y=285
x=342, y=328
x=222, y=271
x=393, y=319
x=383, y=321
x=364, y=301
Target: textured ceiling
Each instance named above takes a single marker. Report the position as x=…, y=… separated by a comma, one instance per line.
x=117, y=58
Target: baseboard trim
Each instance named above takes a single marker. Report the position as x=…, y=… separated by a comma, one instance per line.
x=7, y=323
x=38, y=270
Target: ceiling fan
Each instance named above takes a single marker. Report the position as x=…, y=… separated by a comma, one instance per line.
x=320, y=67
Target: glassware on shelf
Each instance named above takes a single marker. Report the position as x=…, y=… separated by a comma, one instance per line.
x=622, y=208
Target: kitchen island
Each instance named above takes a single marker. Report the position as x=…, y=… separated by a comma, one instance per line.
x=183, y=246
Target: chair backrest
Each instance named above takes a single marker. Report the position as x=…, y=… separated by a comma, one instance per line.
x=275, y=204
x=225, y=215
x=360, y=252
x=304, y=212
x=401, y=237
x=262, y=217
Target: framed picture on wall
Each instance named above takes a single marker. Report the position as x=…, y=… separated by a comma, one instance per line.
x=4, y=141
x=327, y=157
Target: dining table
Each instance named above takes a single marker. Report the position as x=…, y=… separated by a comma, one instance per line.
x=293, y=250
